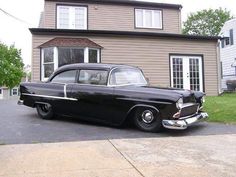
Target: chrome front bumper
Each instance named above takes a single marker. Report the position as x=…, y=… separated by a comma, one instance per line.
x=182, y=124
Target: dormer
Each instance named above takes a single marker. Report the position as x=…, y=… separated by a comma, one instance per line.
x=113, y=15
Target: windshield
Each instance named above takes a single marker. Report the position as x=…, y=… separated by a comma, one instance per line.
x=127, y=76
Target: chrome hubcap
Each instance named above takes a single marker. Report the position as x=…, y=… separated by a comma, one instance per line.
x=147, y=116
x=45, y=108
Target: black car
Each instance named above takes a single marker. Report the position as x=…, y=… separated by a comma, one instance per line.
x=112, y=94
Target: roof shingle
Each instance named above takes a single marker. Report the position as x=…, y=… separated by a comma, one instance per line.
x=70, y=42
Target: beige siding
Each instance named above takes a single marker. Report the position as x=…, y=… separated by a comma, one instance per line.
x=115, y=17
x=49, y=14
x=35, y=62
x=150, y=54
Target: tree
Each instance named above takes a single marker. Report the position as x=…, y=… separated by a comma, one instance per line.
x=11, y=66
x=206, y=22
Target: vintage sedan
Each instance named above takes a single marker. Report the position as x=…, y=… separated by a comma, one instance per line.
x=112, y=94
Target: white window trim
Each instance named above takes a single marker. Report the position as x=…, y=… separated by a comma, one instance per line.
x=55, y=58
x=16, y=92
x=72, y=17
x=55, y=61
x=144, y=18
x=86, y=55
x=185, y=59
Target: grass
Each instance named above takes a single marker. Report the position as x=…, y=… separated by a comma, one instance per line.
x=221, y=108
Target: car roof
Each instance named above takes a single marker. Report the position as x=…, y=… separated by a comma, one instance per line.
x=89, y=66
x=93, y=66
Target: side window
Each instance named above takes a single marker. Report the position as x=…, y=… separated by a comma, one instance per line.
x=231, y=36
x=14, y=91
x=65, y=77
x=95, y=77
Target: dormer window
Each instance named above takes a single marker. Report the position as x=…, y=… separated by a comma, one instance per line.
x=71, y=17
x=147, y=18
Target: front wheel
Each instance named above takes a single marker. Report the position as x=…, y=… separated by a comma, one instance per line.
x=148, y=119
x=44, y=111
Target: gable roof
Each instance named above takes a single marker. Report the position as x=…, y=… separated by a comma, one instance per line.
x=125, y=2
x=70, y=42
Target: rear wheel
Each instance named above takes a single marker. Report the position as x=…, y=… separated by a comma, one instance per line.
x=45, y=111
x=148, y=119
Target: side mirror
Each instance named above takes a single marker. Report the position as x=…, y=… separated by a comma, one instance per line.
x=147, y=79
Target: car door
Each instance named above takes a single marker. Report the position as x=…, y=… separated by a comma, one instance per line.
x=94, y=98
x=63, y=100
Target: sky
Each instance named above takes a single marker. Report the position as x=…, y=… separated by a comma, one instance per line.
x=16, y=32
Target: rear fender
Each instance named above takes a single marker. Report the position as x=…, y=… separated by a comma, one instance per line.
x=42, y=103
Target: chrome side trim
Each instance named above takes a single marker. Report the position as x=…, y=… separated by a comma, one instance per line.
x=47, y=96
x=65, y=95
x=182, y=124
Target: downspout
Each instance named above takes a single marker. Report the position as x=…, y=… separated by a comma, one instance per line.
x=219, y=72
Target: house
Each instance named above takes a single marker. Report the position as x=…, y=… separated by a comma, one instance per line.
x=13, y=93
x=144, y=34
x=228, y=52
x=6, y=93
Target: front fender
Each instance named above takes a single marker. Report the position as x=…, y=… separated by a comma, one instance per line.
x=140, y=105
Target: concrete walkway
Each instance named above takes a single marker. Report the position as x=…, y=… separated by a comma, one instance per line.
x=213, y=155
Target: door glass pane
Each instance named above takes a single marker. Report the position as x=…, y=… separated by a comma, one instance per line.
x=65, y=77
x=70, y=56
x=93, y=56
x=177, y=64
x=194, y=74
x=95, y=77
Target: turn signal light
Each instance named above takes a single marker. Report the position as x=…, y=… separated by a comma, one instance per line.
x=176, y=115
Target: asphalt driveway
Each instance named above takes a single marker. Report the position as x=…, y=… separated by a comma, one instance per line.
x=66, y=147
x=21, y=125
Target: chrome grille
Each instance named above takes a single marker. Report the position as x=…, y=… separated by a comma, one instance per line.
x=188, y=109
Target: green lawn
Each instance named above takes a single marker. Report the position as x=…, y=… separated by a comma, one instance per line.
x=221, y=108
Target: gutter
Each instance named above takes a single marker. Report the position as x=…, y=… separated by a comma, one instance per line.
x=69, y=32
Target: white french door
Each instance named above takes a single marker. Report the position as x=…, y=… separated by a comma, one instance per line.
x=186, y=72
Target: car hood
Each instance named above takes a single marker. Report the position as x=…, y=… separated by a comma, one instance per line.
x=171, y=94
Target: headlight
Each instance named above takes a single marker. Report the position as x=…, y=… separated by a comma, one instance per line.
x=203, y=99
x=179, y=103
